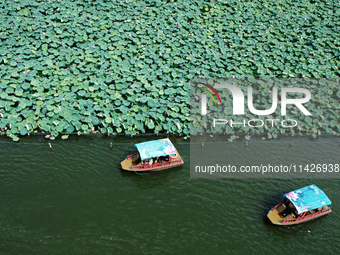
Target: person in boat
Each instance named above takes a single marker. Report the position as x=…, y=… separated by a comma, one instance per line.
x=165, y=158
x=290, y=209
x=293, y=210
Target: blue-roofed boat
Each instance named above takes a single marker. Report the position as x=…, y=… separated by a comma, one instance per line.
x=301, y=205
x=153, y=156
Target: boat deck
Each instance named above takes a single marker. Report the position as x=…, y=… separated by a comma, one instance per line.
x=275, y=215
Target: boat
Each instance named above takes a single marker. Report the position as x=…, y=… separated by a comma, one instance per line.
x=301, y=205
x=153, y=156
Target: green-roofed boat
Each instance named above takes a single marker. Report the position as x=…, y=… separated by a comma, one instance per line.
x=301, y=205
x=153, y=156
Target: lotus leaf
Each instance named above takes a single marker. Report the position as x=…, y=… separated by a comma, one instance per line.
x=66, y=64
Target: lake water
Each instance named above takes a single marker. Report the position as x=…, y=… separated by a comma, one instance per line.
x=75, y=199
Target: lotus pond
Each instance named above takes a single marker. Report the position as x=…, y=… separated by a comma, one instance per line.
x=125, y=66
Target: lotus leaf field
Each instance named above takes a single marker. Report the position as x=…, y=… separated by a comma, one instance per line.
x=124, y=67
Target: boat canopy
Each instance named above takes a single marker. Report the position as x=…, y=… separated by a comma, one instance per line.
x=156, y=148
x=308, y=198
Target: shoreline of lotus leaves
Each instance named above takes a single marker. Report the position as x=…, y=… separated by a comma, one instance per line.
x=125, y=67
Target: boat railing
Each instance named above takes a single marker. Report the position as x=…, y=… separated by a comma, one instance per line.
x=131, y=155
x=276, y=206
x=307, y=216
x=163, y=163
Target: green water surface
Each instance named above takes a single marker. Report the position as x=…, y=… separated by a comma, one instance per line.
x=75, y=199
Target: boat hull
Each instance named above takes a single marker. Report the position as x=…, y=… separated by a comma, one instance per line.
x=275, y=218
x=129, y=164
